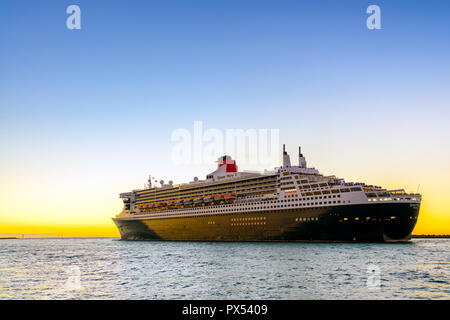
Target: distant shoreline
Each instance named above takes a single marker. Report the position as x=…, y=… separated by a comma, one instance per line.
x=68, y=237
x=442, y=236
x=415, y=236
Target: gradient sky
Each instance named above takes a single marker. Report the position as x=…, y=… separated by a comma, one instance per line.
x=87, y=114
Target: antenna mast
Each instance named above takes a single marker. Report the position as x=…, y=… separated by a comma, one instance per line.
x=149, y=181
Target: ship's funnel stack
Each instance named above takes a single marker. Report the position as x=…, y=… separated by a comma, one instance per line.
x=149, y=182
x=301, y=158
x=229, y=164
x=286, y=158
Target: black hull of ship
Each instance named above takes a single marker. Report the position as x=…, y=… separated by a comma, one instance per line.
x=381, y=222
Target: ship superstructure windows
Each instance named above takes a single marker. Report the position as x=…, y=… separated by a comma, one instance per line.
x=247, y=193
x=302, y=219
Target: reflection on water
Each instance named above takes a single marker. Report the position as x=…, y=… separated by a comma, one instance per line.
x=110, y=269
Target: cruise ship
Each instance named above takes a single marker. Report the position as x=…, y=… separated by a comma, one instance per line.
x=289, y=203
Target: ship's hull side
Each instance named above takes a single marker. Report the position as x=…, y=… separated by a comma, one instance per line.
x=366, y=222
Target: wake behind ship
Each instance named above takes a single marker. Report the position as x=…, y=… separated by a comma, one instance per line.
x=290, y=203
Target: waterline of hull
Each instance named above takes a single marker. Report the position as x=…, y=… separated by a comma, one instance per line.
x=368, y=222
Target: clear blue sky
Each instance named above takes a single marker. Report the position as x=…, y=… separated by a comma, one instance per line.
x=102, y=101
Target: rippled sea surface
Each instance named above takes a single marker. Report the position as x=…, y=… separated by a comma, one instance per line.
x=110, y=269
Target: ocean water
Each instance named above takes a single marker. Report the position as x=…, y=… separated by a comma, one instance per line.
x=110, y=269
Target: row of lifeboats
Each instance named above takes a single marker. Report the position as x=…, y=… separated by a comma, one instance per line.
x=194, y=201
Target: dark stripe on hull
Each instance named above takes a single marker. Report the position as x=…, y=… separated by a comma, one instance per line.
x=367, y=222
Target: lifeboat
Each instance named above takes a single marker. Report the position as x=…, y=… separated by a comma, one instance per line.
x=188, y=201
x=229, y=197
x=198, y=200
x=207, y=199
x=178, y=202
x=218, y=198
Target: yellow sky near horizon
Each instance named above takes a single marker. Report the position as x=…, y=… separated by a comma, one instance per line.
x=433, y=218
x=88, y=114
x=427, y=224
x=82, y=201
